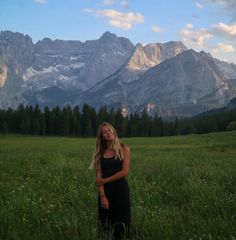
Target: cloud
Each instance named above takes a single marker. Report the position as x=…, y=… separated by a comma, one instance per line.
x=118, y=19
x=108, y=2
x=198, y=5
x=229, y=5
x=212, y=39
x=41, y=1
x=157, y=29
x=225, y=3
x=195, y=39
x=189, y=26
x=226, y=48
x=225, y=30
x=88, y=10
x=124, y=4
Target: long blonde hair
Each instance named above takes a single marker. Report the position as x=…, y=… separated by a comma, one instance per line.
x=101, y=146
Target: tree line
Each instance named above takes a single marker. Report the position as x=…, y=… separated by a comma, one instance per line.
x=84, y=122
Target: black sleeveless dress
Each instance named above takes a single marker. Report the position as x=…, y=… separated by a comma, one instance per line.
x=117, y=217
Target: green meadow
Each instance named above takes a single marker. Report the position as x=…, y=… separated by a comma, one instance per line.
x=182, y=187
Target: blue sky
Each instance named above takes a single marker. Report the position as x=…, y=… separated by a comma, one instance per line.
x=208, y=25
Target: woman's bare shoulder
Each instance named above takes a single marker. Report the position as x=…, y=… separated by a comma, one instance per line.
x=125, y=148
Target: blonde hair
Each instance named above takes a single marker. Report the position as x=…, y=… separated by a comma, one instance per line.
x=101, y=146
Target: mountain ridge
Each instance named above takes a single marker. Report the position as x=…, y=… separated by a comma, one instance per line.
x=112, y=70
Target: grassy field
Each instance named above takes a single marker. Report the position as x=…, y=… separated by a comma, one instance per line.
x=181, y=187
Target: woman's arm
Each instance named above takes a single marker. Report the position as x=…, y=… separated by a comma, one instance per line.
x=100, y=187
x=120, y=174
x=103, y=198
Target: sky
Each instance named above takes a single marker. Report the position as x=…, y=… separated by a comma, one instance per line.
x=208, y=25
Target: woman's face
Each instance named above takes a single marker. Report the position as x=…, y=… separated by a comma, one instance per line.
x=107, y=133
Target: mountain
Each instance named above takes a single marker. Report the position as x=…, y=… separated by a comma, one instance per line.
x=15, y=56
x=227, y=69
x=184, y=85
x=229, y=106
x=166, y=78
x=145, y=57
x=113, y=90
x=54, y=72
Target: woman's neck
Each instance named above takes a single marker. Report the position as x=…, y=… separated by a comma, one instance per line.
x=109, y=146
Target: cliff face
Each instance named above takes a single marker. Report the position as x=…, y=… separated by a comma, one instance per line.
x=165, y=78
x=184, y=85
x=30, y=70
x=16, y=52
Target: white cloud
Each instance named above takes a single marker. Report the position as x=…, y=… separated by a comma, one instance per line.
x=198, y=5
x=225, y=30
x=195, y=39
x=119, y=19
x=189, y=26
x=226, y=48
x=108, y=2
x=124, y=4
x=212, y=40
x=41, y=1
x=157, y=29
x=88, y=10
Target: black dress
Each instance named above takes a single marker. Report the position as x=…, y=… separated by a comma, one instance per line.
x=117, y=217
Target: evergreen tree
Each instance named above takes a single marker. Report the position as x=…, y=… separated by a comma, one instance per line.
x=36, y=120
x=46, y=117
x=76, y=121
x=118, y=121
x=133, y=125
x=112, y=116
x=4, y=128
x=86, y=123
x=30, y=120
x=9, y=117
x=2, y=118
x=57, y=119
x=145, y=124
x=66, y=121
x=42, y=125
x=231, y=126
x=103, y=115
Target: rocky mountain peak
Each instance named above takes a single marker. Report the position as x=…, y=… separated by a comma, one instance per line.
x=139, y=61
x=46, y=44
x=165, y=77
x=111, y=42
x=108, y=35
x=228, y=69
x=16, y=50
x=183, y=85
x=145, y=57
x=11, y=37
x=11, y=42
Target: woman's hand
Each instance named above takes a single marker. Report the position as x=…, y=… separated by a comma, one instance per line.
x=100, y=181
x=104, y=202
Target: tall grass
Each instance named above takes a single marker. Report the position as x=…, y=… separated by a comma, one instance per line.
x=181, y=187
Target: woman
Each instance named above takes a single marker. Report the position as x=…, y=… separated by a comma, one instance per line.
x=111, y=160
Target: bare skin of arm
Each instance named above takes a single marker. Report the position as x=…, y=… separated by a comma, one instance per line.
x=104, y=200
x=123, y=173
